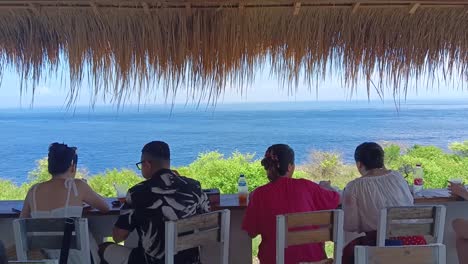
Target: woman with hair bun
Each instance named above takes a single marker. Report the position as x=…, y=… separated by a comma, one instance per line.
x=364, y=197
x=285, y=195
x=62, y=196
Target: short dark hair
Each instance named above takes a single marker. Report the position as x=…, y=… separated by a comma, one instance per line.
x=60, y=158
x=157, y=150
x=371, y=155
x=278, y=157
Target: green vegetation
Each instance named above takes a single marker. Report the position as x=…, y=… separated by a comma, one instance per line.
x=214, y=170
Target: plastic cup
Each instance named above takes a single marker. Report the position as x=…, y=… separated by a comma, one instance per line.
x=121, y=190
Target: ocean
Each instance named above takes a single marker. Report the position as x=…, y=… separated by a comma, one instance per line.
x=107, y=137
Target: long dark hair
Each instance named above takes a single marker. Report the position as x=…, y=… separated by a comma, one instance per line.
x=60, y=158
x=277, y=159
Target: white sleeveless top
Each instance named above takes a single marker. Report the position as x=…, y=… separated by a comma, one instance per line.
x=61, y=212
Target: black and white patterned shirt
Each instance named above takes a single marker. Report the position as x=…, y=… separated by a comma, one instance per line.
x=150, y=203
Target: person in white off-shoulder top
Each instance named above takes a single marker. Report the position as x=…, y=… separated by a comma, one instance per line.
x=460, y=226
x=364, y=197
x=62, y=196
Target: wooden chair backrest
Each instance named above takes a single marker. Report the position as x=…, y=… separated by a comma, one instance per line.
x=197, y=231
x=309, y=227
x=430, y=254
x=425, y=221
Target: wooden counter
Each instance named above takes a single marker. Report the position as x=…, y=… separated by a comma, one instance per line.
x=100, y=226
x=240, y=244
x=435, y=196
x=11, y=209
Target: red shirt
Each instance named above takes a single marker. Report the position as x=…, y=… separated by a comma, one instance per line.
x=284, y=196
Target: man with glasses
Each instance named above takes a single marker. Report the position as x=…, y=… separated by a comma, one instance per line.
x=163, y=196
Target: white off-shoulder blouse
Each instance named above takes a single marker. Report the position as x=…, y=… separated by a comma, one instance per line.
x=364, y=197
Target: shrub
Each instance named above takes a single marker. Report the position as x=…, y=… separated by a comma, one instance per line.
x=10, y=191
x=460, y=148
x=104, y=183
x=213, y=170
x=328, y=166
x=438, y=166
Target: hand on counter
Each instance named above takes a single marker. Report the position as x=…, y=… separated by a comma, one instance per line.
x=458, y=190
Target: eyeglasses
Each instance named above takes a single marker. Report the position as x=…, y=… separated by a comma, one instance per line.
x=138, y=165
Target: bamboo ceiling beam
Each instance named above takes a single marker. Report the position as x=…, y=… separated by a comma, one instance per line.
x=95, y=8
x=355, y=8
x=297, y=7
x=34, y=8
x=414, y=7
x=146, y=8
x=152, y=4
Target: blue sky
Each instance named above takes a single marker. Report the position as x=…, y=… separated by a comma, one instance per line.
x=264, y=89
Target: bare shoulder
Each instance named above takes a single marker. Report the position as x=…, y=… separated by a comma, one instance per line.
x=82, y=185
x=80, y=182
x=36, y=186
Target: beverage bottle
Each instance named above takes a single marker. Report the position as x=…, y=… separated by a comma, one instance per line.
x=418, y=179
x=242, y=190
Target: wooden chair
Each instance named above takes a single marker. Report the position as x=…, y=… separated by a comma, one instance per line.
x=430, y=254
x=329, y=226
x=201, y=230
x=425, y=221
x=47, y=233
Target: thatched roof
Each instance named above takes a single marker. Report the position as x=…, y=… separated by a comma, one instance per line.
x=127, y=47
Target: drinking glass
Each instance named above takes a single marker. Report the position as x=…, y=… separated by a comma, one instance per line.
x=121, y=190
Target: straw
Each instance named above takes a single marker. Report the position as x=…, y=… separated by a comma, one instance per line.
x=202, y=51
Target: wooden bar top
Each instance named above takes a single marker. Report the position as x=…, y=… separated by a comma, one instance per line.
x=435, y=196
x=11, y=209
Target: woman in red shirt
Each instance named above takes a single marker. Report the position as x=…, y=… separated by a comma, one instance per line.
x=284, y=195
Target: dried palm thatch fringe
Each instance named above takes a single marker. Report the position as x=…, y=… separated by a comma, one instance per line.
x=201, y=51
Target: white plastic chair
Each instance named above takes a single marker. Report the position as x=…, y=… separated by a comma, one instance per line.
x=201, y=230
x=47, y=233
x=329, y=226
x=425, y=221
x=430, y=254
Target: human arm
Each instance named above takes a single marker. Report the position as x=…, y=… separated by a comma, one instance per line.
x=128, y=218
x=123, y=226
x=119, y=235
x=250, y=223
x=26, y=211
x=325, y=196
x=458, y=190
x=351, y=214
x=93, y=198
